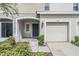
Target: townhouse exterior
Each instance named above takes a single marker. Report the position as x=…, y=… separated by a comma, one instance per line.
x=56, y=21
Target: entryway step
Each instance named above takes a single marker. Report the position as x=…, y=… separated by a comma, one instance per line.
x=34, y=45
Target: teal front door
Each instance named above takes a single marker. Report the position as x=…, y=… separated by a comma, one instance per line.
x=35, y=30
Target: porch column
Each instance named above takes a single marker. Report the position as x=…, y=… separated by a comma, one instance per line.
x=15, y=34
x=0, y=29
x=41, y=27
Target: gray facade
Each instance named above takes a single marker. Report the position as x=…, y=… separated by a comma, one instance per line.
x=59, y=13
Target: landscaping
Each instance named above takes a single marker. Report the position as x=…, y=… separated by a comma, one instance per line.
x=41, y=40
x=42, y=54
x=10, y=47
x=76, y=42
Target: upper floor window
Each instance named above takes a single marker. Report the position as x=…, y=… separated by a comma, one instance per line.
x=47, y=6
x=76, y=7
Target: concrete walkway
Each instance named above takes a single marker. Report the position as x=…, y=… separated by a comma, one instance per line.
x=63, y=49
x=35, y=47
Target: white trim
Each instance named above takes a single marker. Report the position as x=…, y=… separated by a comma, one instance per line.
x=25, y=27
x=57, y=12
x=21, y=18
x=7, y=22
x=0, y=29
x=45, y=31
x=69, y=38
x=6, y=17
x=51, y=6
x=13, y=28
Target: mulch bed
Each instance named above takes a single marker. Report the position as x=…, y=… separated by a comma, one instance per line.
x=46, y=54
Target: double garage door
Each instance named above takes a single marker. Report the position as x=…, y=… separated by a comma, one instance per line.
x=56, y=31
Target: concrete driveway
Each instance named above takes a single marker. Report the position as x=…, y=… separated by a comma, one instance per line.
x=63, y=49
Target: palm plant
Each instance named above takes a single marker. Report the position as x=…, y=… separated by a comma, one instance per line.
x=9, y=9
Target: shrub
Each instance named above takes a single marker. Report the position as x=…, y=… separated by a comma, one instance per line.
x=40, y=54
x=20, y=49
x=6, y=53
x=23, y=49
x=77, y=43
x=5, y=46
x=76, y=38
x=41, y=40
x=11, y=40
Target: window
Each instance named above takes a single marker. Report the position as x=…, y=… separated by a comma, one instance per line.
x=26, y=27
x=76, y=7
x=47, y=6
x=7, y=29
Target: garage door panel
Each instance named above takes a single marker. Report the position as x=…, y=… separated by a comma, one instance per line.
x=56, y=32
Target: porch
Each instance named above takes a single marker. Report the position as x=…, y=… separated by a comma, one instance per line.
x=27, y=29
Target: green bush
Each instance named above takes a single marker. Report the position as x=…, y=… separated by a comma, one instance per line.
x=11, y=40
x=40, y=54
x=23, y=49
x=76, y=38
x=41, y=40
x=77, y=43
x=5, y=46
x=6, y=53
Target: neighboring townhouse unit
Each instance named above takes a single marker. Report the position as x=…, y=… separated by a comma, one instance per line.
x=56, y=21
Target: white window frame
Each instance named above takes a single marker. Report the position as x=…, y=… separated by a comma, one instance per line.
x=26, y=28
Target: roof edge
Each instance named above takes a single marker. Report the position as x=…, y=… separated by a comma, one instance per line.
x=59, y=12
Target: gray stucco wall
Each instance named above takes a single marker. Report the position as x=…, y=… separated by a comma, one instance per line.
x=33, y=7
x=61, y=18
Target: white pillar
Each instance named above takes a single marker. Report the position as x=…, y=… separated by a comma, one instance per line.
x=15, y=34
x=41, y=27
x=0, y=29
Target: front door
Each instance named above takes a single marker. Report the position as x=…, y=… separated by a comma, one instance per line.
x=35, y=30
x=7, y=29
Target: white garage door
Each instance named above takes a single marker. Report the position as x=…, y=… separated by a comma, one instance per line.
x=56, y=31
